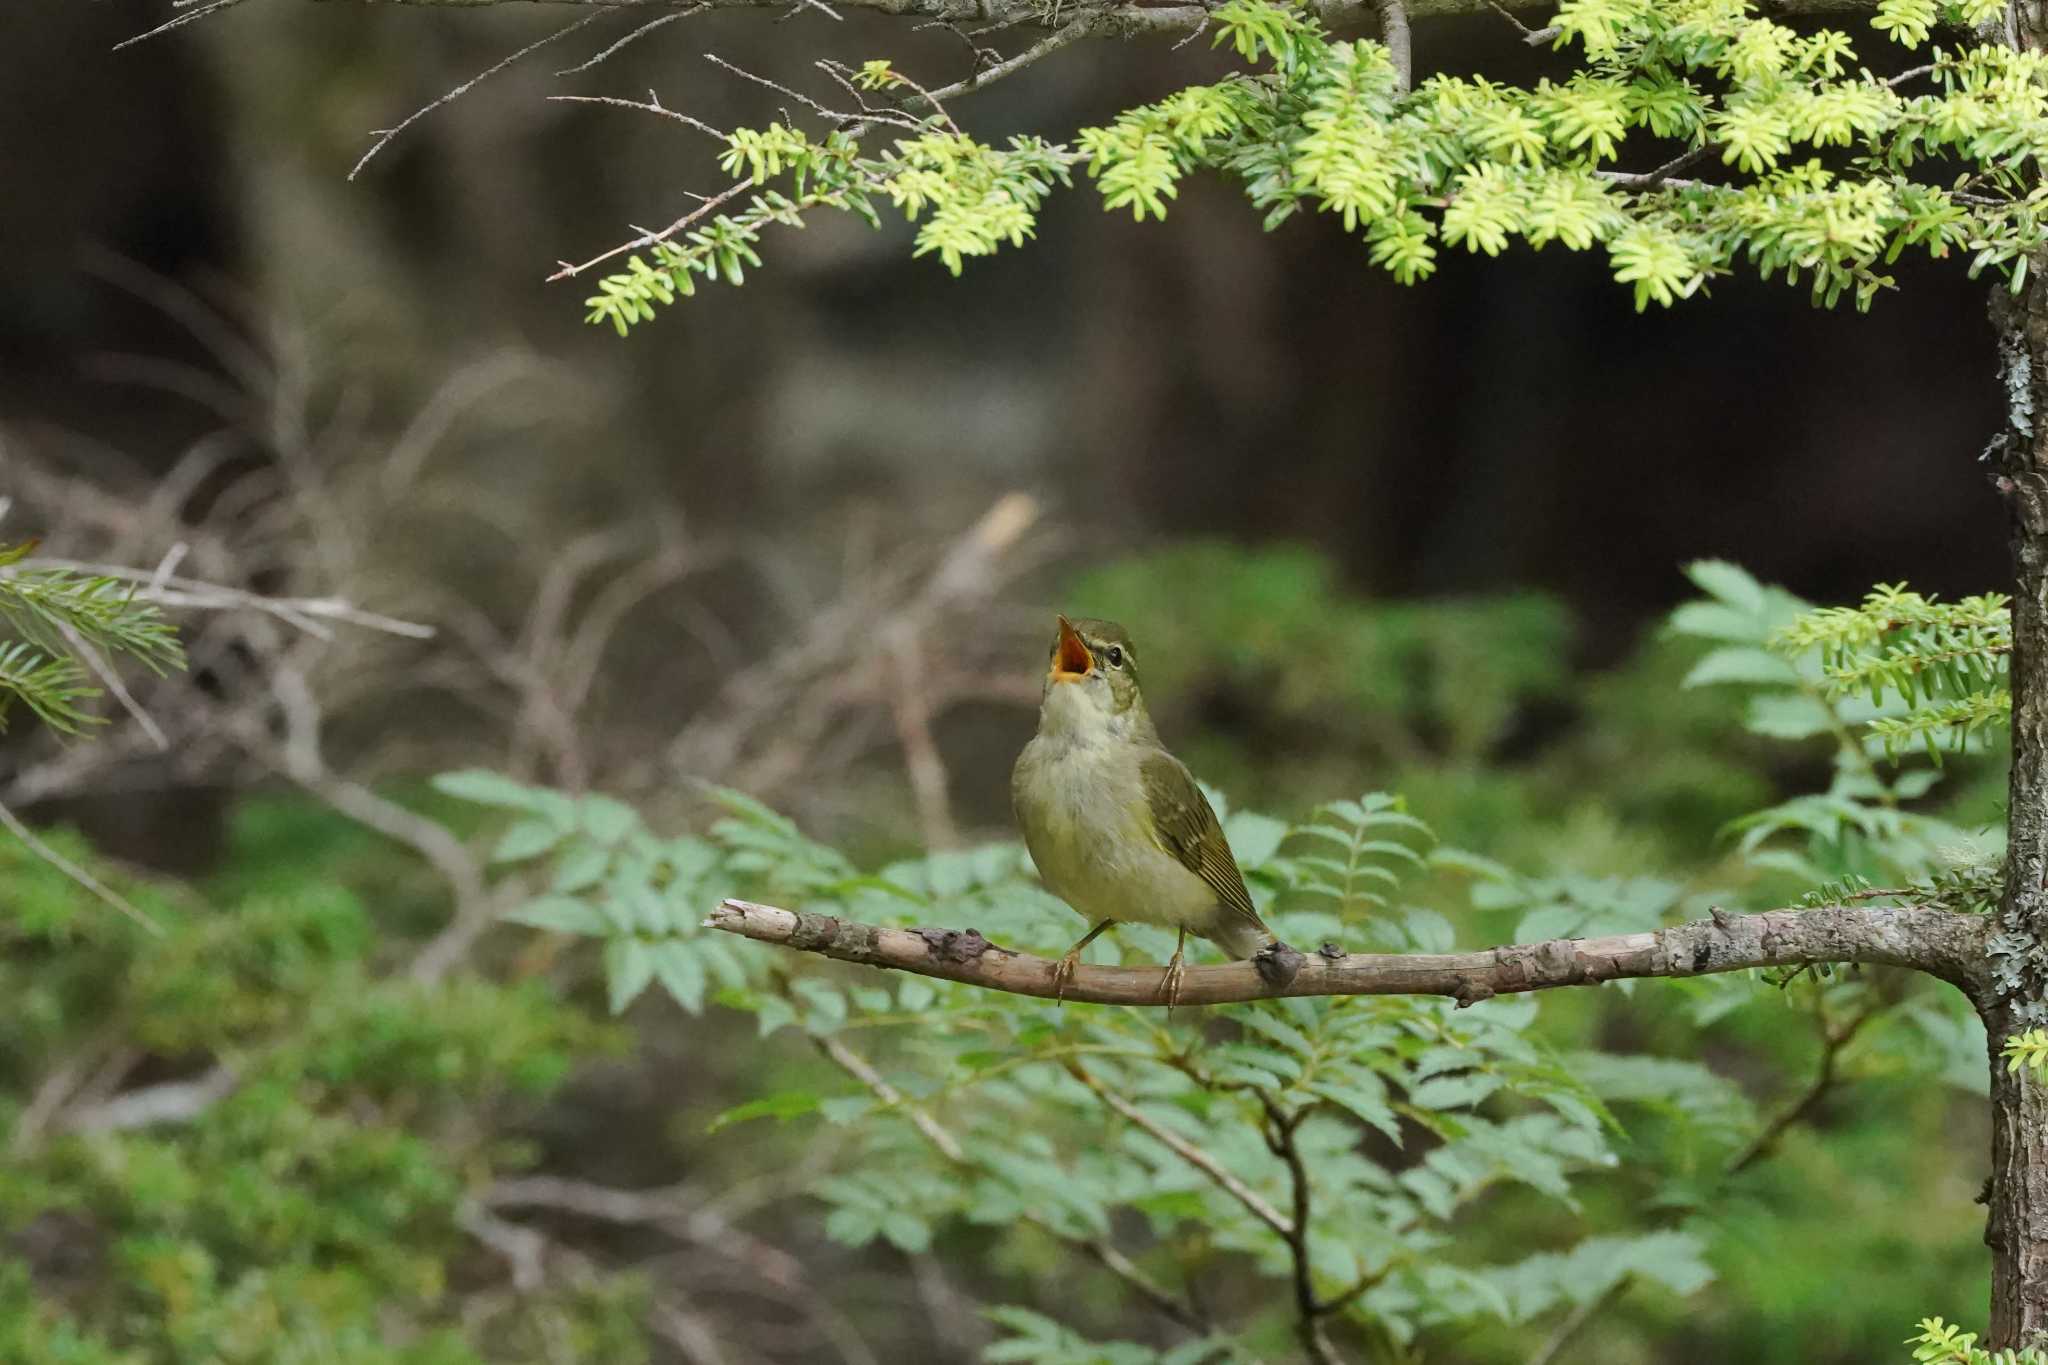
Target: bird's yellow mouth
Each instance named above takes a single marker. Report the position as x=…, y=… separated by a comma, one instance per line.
x=1071, y=660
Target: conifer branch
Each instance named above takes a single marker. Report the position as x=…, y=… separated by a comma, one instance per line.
x=1146, y=19
x=1942, y=943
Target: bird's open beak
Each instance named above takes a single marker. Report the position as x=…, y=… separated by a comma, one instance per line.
x=1071, y=661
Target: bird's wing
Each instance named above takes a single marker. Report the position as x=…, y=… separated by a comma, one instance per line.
x=1187, y=828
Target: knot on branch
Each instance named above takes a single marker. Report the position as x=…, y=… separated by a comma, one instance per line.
x=1277, y=964
x=1469, y=992
x=834, y=937
x=1553, y=962
x=954, y=945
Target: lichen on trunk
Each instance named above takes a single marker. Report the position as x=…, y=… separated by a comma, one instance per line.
x=2017, y=1225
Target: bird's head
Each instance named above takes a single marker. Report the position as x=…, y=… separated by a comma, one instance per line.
x=1091, y=683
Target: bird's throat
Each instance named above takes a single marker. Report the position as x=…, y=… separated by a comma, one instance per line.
x=1079, y=714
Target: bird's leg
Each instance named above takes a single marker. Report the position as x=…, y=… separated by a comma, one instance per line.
x=1063, y=970
x=1176, y=973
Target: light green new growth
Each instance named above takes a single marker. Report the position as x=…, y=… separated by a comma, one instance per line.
x=1940, y=1343
x=58, y=619
x=1464, y=162
x=1945, y=662
x=2029, y=1050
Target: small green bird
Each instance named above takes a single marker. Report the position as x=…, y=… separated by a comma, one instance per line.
x=1116, y=824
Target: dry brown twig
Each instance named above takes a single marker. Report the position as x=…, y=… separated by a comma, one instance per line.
x=1941, y=943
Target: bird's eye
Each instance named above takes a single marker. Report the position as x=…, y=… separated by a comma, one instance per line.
x=1115, y=655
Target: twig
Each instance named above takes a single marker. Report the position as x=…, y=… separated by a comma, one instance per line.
x=1534, y=37
x=523, y=1249
x=647, y=239
x=77, y=874
x=1833, y=1041
x=112, y=679
x=1940, y=942
x=786, y=91
x=853, y=125
x=678, y=1212
x=1650, y=180
x=1188, y=1152
x=189, y=17
x=1364, y=1284
x=870, y=115
x=1400, y=44
x=385, y=136
x=634, y=36
x=856, y=1066
x=1308, y=1311
x=650, y=106
x=170, y=590
x=911, y=709
x=1575, y=1322
x=1038, y=51
x=169, y=1102
x=686, y=1332
x=949, y=1147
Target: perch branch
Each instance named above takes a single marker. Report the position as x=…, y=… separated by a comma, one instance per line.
x=1939, y=942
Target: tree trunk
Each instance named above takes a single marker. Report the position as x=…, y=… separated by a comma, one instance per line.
x=2017, y=1228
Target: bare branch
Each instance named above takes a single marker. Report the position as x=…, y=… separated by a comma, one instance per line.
x=385, y=135
x=1534, y=37
x=1123, y=20
x=1939, y=942
x=190, y=16
x=1834, y=1038
x=943, y=1142
x=169, y=1102
x=1575, y=1322
x=167, y=589
x=651, y=105
x=1650, y=180
x=647, y=239
x=14, y=826
x=1400, y=44
x=1043, y=48
x=523, y=1250
x=110, y=678
x=1280, y=1130
x=1188, y=1152
x=634, y=36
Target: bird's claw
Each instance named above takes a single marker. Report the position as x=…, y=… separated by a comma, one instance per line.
x=1176, y=976
x=1063, y=974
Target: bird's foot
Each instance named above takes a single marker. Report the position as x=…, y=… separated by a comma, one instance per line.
x=1176, y=976
x=1063, y=973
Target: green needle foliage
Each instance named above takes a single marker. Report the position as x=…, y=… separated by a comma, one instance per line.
x=1826, y=173
x=1940, y=1343
x=55, y=616
x=314, y=1213
x=1945, y=663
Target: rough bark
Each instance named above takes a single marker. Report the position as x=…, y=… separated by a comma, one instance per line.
x=1939, y=942
x=2017, y=1227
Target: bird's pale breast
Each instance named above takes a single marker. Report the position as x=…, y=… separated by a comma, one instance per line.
x=1087, y=823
